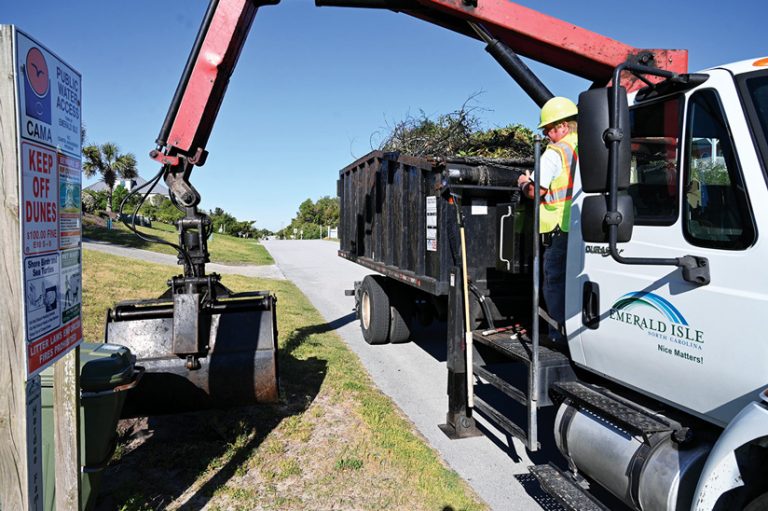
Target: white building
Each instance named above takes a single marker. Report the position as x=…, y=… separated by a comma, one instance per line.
x=129, y=184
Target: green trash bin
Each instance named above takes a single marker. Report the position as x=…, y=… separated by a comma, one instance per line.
x=106, y=373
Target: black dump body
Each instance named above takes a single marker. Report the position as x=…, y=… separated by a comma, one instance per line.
x=399, y=218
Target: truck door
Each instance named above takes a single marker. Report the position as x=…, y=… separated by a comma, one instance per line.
x=697, y=188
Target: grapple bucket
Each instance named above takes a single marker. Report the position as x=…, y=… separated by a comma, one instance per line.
x=236, y=364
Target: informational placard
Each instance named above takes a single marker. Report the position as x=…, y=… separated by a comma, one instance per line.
x=49, y=97
x=40, y=202
x=479, y=207
x=432, y=224
x=49, y=106
x=41, y=276
x=69, y=285
x=70, y=175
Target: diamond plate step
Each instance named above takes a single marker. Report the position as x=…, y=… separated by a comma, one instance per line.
x=565, y=490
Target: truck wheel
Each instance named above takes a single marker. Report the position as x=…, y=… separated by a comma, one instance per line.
x=399, y=329
x=374, y=310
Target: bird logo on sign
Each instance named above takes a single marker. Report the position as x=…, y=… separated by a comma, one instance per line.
x=37, y=86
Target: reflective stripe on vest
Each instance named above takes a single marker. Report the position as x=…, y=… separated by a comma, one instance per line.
x=555, y=209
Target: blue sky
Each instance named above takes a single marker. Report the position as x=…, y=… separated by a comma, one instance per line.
x=315, y=84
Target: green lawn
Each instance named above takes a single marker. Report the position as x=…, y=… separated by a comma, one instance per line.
x=333, y=442
x=224, y=249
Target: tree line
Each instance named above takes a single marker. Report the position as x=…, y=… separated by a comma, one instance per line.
x=111, y=165
x=313, y=219
x=458, y=133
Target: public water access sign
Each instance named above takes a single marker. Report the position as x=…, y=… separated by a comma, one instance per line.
x=49, y=112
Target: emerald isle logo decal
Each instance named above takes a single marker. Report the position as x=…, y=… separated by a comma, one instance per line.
x=641, y=299
x=662, y=321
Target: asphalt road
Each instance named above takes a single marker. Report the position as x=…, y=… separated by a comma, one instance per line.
x=414, y=376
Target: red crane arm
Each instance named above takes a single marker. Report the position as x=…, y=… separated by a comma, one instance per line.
x=535, y=35
x=204, y=81
x=544, y=38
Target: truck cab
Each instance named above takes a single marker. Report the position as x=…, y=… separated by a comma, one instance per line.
x=698, y=186
x=697, y=182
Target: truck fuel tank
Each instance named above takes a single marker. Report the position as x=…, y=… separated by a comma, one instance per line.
x=660, y=475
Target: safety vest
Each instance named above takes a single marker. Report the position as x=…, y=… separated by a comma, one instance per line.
x=555, y=207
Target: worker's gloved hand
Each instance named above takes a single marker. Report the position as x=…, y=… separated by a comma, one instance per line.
x=524, y=179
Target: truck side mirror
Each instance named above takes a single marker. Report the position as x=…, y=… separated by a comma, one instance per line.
x=594, y=139
x=594, y=227
x=605, y=159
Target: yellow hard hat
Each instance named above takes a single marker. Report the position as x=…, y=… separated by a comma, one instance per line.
x=557, y=109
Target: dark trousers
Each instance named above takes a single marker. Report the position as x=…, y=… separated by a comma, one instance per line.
x=554, y=281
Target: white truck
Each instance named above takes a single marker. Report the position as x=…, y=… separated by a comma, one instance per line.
x=697, y=178
x=661, y=394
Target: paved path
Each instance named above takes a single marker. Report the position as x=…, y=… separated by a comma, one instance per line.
x=270, y=271
x=414, y=376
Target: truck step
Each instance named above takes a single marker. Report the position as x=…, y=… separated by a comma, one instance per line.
x=520, y=350
x=625, y=414
x=500, y=420
x=504, y=386
x=553, y=366
x=564, y=489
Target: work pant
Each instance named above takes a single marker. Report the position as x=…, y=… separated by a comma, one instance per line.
x=554, y=280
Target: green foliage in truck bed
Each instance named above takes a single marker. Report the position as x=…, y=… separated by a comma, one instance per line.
x=457, y=133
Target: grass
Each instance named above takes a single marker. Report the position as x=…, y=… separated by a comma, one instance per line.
x=349, y=464
x=223, y=248
x=333, y=442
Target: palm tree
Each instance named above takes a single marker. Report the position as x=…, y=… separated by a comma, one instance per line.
x=107, y=161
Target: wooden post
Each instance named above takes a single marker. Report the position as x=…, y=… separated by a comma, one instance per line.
x=66, y=425
x=14, y=468
x=40, y=266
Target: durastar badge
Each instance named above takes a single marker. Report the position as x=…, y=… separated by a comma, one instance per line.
x=600, y=249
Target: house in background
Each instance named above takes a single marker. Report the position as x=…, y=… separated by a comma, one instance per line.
x=157, y=195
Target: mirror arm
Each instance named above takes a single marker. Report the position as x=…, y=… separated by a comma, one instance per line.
x=695, y=269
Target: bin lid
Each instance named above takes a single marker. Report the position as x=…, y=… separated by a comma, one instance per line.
x=102, y=367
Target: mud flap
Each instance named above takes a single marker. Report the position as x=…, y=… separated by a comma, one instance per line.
x=237, y=366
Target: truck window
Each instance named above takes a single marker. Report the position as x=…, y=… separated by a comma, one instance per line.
x=654, y=172
x=754, y=93
x=716, y=207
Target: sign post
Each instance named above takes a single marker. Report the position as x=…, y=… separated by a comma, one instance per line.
x=40, y=230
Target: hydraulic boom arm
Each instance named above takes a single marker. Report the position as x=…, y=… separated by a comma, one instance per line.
x=188, y=124
x=550, y=40
x=532, y=34
x=505, y=26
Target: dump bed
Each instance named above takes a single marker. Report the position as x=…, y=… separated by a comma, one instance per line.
x=398, y=217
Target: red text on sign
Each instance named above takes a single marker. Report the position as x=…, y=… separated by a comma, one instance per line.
x=40, y=161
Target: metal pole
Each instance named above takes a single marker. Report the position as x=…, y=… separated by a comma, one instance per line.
x=533, y=374
x=467, y=325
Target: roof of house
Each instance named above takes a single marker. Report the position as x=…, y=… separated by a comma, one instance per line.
x=100, y=186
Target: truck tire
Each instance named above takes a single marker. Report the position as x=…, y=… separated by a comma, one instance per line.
x=374, y=310
x=399, y=323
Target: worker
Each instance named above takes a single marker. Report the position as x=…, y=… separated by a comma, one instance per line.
x=558, y=166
